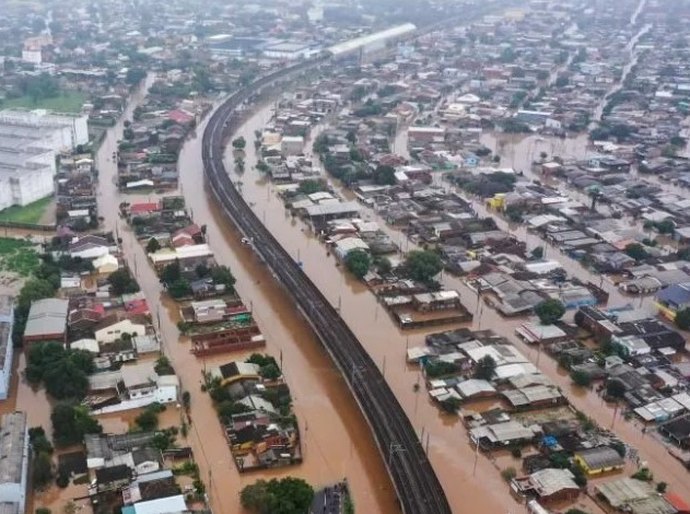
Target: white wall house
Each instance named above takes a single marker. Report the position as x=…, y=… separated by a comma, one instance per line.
x=6, y=346
x=114, y=332
x=14, y=460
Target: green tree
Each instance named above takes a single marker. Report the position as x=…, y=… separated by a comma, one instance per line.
x=661, y=487
x=485, y=368
x=171, y=273
x=311, y=186
x=71, y=422
x=239, y=143
x=422, y=265
x=682, y=319
x=615, y=389
x=358, y=262
x=153, y=245
x=122, y=282
x=147, y=420
x=549, y=311
x=581, y=378
x=537, y=253
x=223, y=275
x=180, y=288
x=134, y=76
x=636, y=251
x=285, y=496
x=270, y=372
x=63, y=372
x=42, y=470
x=384, y=175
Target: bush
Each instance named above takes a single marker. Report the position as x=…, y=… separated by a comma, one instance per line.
x=661, y=487
x=508, y=474
x=516, y=452
x=71, y=422
x=549, y=311
x=285, y=496
x=643, y=474
x=682, y=319
x=122, y=282
x=358, y=262
x=581, y=378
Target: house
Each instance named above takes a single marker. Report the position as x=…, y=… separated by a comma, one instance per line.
x=144, y=209
x=6, y=346
x=291, y=145
x=142, y=383
x=621, y=494
x=188, y=256
x=89, y=247
x=165, y=505
x=14, y=461
x=111, y=331
x=113, y=478
x=678, y=431
x=672, y=299
x=47, y=321
x=547, y=485
x=501, y=435
x=146, y=460
x=106, y=264
x=542, y=334
x=237, y=371
x=209, y=311
x=601, y=459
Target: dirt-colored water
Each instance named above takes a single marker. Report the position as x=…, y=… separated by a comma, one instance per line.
x=336, y=440
x=449, y=450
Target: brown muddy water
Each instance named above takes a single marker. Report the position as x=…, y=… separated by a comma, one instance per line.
x=450, y=452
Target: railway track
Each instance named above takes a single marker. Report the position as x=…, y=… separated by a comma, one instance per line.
x=417, y=487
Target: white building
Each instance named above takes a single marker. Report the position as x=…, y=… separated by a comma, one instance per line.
x=116, y=330
x=6, y=346
x=292, y=145
x=14, y=461
x=29, y=142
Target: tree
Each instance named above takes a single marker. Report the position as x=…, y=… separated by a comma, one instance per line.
x=153, y=245
x=549, y=311
x=537, y=253
x=63, y=372
x=508, y=474
x=163, y=366
x=422, y=265
x=285, y=496
x=485, y=368
x=615, y=389
x=147, y=420
x=223, y=275
x=180, y=288
x=636, y=251
x=358, y=262
x=270, y=372
x=239, y=143
x=121, y=282
x=682, y=319
x=71, y=422
x=311, y=186
x=661, y=487
x=171, y=273
x=384, y=175
x=581, y=378
x=42, y=470
x=134, y=76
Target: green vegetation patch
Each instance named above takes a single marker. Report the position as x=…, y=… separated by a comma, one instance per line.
x=30, y=213
x=19, y=256
x=66, y=101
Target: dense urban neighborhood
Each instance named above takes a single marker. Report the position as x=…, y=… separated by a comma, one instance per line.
x=330, y=257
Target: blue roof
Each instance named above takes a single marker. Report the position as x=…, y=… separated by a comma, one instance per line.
x=677, y=294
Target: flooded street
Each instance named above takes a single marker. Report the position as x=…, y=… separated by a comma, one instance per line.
x=450, y=452
x=335, y=439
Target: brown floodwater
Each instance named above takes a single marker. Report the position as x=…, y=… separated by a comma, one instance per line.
x=450, y=452
x=336, y=441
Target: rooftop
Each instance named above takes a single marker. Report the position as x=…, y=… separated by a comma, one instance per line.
x=12, y=446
